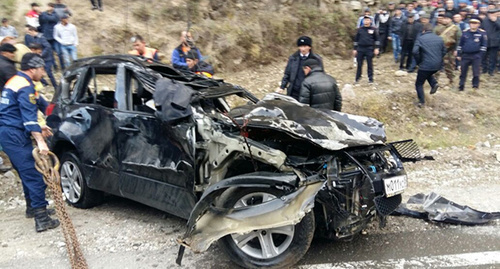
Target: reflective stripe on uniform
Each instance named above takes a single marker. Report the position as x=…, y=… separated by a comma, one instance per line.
x=30, y=123
x=16, y=83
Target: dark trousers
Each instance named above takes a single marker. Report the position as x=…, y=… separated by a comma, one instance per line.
x=96, y=3
x=57, y=48
x=468, y=59
x=17, y=145
x=422, y=76
x=365, y=52
x=407, y=50
x=383, y=42
x=490, y=60
x=48, y=70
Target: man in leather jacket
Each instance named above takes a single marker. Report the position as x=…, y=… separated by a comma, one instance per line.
x=319, y=90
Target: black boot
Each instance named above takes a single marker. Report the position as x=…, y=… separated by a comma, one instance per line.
x=30, y=213
x=43, y=221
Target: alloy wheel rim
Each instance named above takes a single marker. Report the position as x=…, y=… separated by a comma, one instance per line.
x=263, y=244
x=71, y=181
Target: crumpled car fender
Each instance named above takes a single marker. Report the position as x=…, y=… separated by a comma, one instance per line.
x=209, y=223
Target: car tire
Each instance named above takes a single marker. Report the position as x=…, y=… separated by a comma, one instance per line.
x=288, y=251
x=74, y=185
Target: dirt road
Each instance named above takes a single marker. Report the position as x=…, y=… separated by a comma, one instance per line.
x=124, y=234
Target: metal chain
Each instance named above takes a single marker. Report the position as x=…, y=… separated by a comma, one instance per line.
x=48, y=166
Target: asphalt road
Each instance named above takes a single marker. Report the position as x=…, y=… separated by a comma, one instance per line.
x=446, y=246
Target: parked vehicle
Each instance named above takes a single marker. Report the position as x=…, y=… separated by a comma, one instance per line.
x=262, y=178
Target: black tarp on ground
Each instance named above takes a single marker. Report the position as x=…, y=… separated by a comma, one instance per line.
x=437, y=208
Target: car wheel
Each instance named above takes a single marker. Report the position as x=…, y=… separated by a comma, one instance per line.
x=73, y=183
x=270, y=248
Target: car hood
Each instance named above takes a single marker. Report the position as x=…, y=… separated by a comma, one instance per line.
x=329, y=129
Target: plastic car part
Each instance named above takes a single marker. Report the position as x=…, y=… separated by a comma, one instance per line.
x=288, y=210
x=437, y=208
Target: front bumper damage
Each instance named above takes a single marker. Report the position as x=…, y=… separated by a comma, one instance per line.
x=208, y=223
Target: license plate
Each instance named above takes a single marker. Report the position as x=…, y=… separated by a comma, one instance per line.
x=395, y=185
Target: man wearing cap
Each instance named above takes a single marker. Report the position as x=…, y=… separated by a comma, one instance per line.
x=491, y=25
x=319, y=90
x=438, y=16
x=409, y=32
x=18, y=122
x=65, y=33
x=7, y=30
x=7, y=70
x=470, y=50
x=294, y=75
x=366, y=45
x=450, y=33
x=140, y=49
x=199, y=67
x=429, y=51
x=7, y=63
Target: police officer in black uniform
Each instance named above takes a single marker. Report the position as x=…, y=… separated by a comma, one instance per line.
x=366, y=45
x=19, y=107
x=470, y=51
x=294, y=75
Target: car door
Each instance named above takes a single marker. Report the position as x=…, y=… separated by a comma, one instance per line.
x=157, y=163
x=88, y=125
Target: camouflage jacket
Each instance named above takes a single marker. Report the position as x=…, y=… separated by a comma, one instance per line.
x=451, y=36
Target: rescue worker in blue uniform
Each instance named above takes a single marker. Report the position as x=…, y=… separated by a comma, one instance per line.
x=366, y=45
x=470, y=51
x=19, y=106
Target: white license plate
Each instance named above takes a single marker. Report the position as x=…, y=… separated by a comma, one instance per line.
x=395, y=185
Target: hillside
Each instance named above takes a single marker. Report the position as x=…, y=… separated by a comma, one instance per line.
x=249, y=41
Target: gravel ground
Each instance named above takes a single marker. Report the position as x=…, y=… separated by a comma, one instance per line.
x=124, y=234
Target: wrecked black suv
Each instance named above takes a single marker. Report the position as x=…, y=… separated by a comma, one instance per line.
x=262, y=178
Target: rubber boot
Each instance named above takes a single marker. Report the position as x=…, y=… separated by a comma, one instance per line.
x=43, y=221
x=30, y=212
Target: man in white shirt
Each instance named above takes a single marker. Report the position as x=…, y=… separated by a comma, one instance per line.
x=65, y=33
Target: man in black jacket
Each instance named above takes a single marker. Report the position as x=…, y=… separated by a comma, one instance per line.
x=429, y=51
x=382, y=22
x=366, y=44
x=409, y=32
x=7, y=63
x=491, y=25
x=319, y=90
x=7, y=70
x=294, y=75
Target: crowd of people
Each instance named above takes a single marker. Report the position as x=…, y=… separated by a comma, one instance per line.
x=469, y=30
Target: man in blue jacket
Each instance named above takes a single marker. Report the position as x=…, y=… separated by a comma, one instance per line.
x=428, y=51
x=179, y=53
x=470, y=50
x=48, y=20
x=18, y=122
